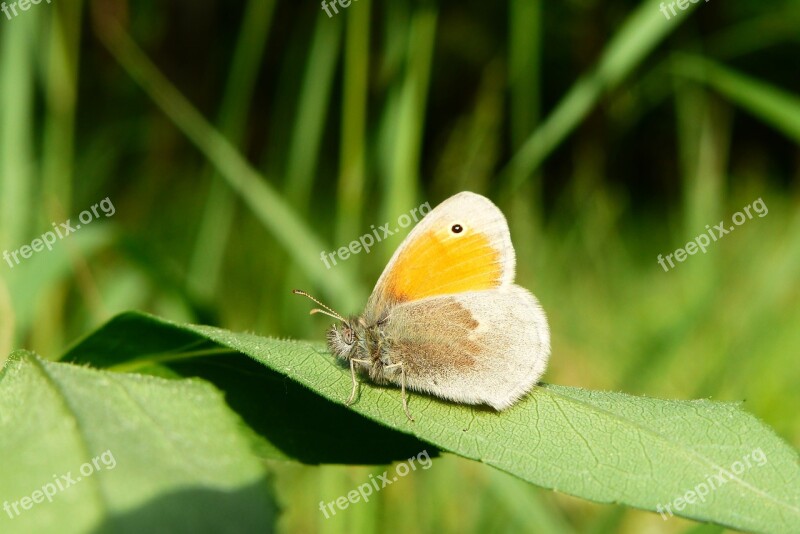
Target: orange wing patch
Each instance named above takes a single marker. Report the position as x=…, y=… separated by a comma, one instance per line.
x=441, y=263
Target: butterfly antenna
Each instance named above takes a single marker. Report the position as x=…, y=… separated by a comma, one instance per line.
x=327, y=311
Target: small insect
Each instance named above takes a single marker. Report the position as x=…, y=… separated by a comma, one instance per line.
x=445, y=317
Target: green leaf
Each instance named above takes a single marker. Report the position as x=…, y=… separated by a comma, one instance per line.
x=603, y=446
x=132, y=453
x=289, y=420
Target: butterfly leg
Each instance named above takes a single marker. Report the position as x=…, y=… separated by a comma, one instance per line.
x=402, y=388
x=353, y=376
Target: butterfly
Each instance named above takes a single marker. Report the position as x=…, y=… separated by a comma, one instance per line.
x=445, y=317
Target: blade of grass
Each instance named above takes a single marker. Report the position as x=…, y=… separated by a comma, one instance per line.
x=7, y=324
x=776, y=107
x=401, y=184
x=755, y=34
x=309, y=127
x=16, y=131
x=312, y=110
x=525, y=505
x=60, y=65
x=703, y=139
x=60, y=61
x=525, y=49
x=524, y=83
x=212, y=238
x=641, y=32
x=352, y=151
x=17, y=174
x=31, y=283
x=259, y=196
x=468, y=159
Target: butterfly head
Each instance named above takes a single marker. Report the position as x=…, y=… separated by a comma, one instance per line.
x=343, y=338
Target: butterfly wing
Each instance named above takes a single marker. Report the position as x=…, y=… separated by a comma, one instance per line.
x=462, y=245
x=478, y=347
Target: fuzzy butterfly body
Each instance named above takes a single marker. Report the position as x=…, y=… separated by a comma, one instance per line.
x=446, y=318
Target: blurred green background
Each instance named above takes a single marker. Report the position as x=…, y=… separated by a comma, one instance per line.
x=239, y=140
